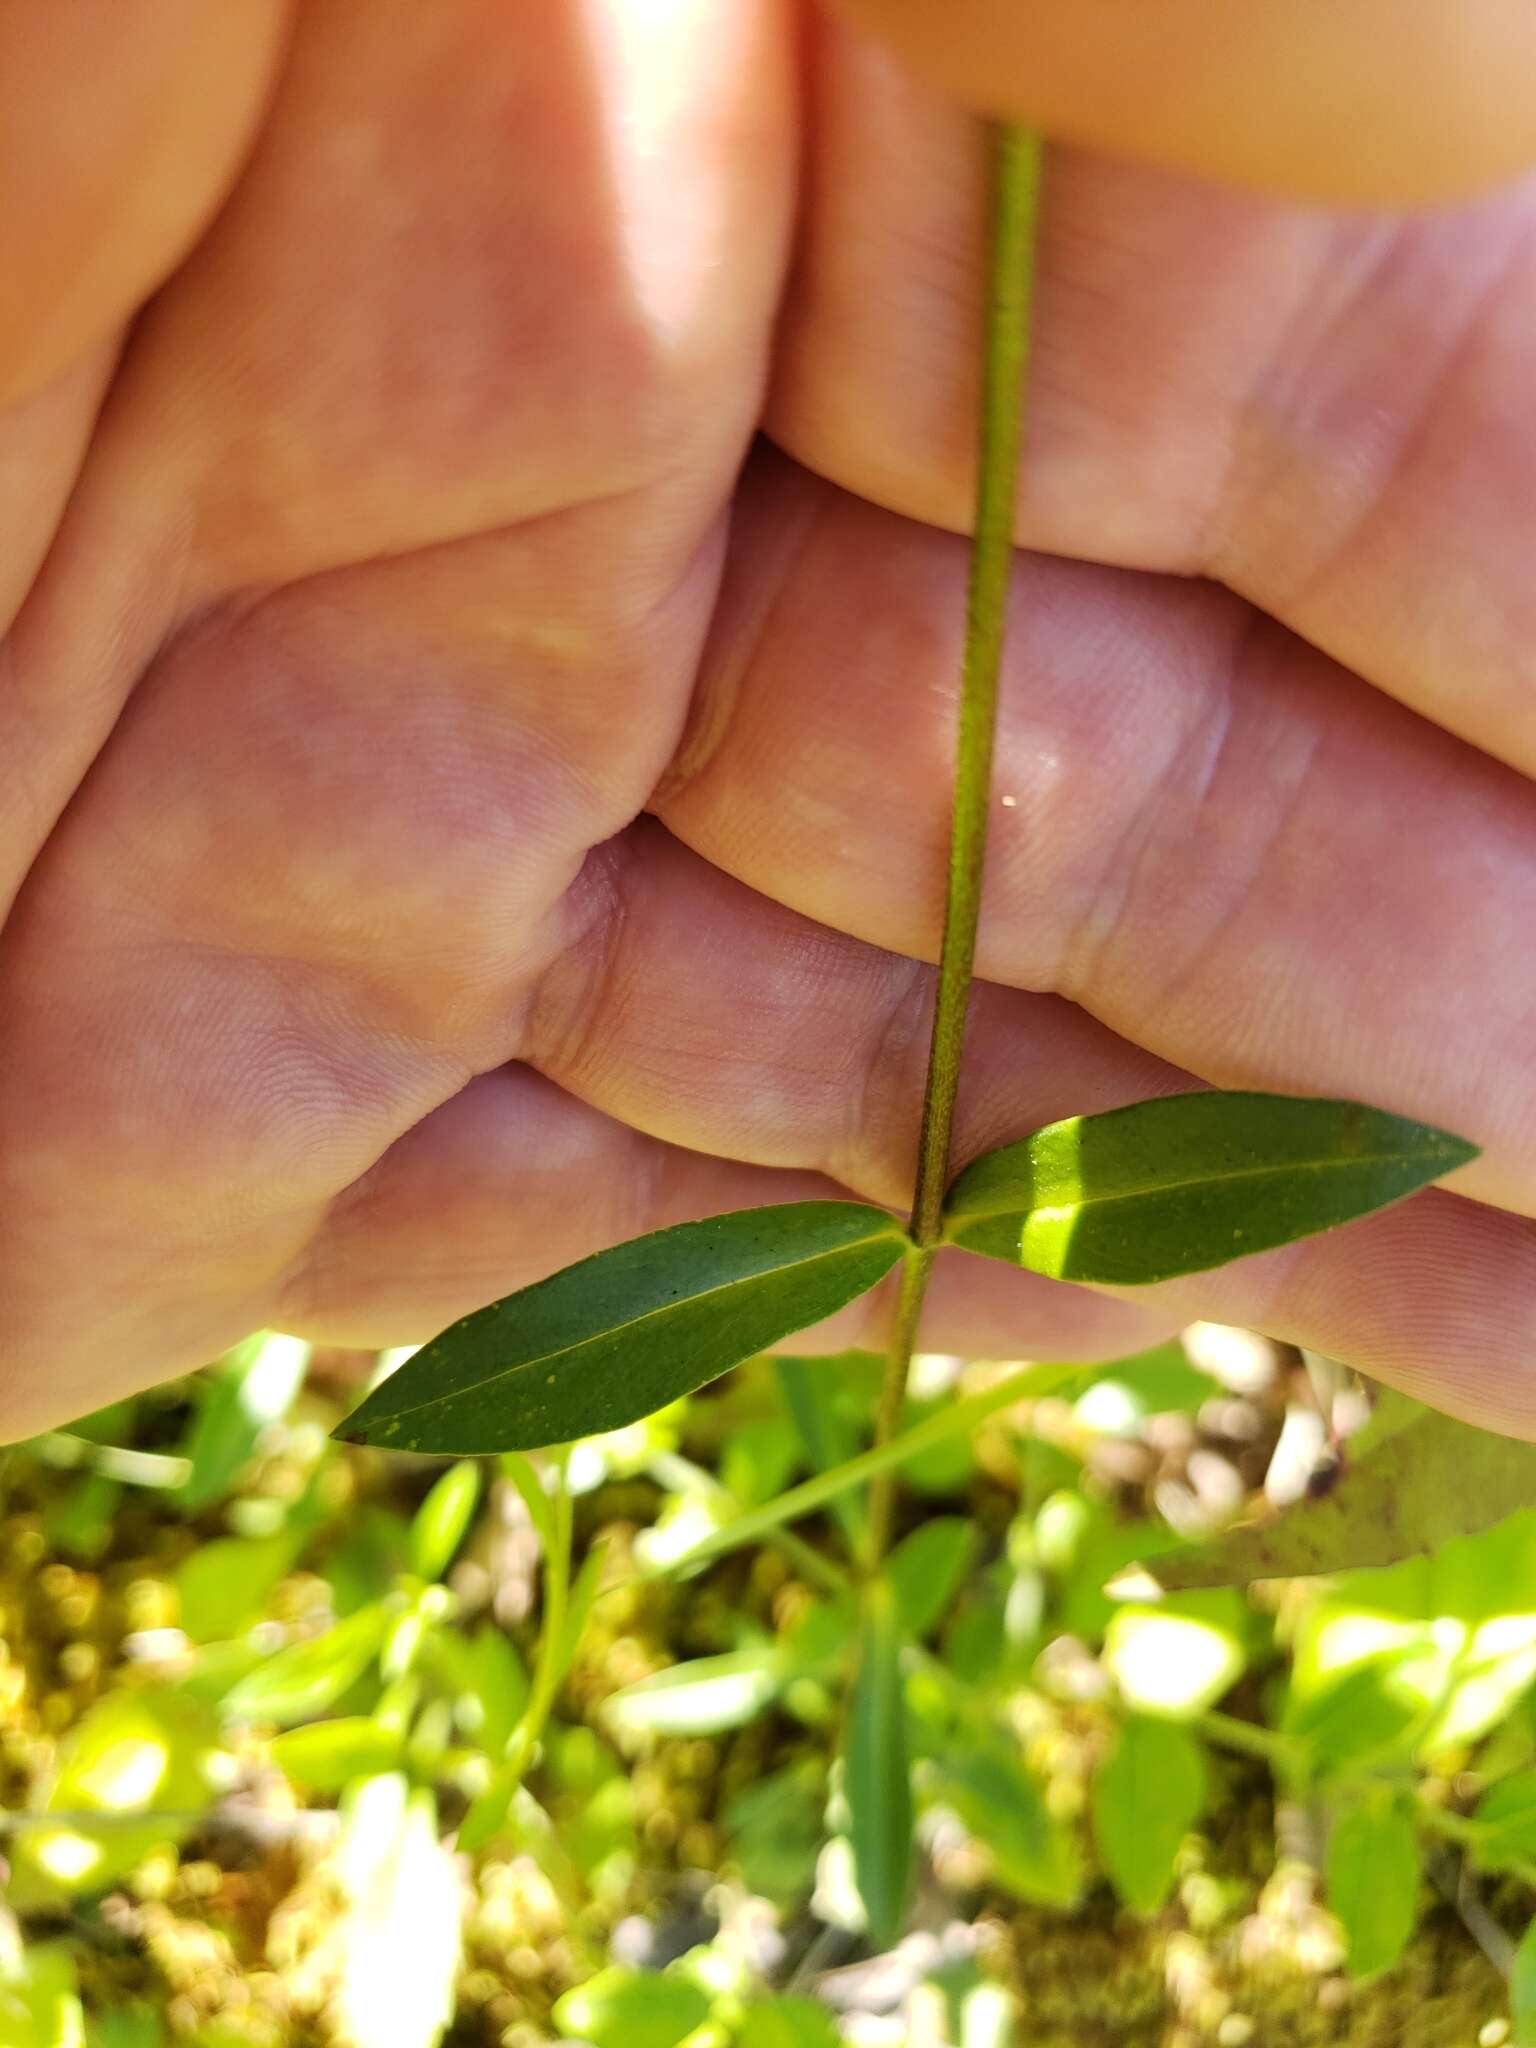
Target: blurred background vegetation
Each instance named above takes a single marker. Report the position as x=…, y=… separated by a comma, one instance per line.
x=252, y=1682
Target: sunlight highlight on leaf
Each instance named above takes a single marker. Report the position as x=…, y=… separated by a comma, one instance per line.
x=1186, y=1182
x=1170, y=1664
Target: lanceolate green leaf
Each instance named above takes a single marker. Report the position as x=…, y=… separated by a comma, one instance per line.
x=624, y=2008
x=702, y=1697
x=1146, y=1798
x=926, y=1569
x=308, y=1677
x=1506, y=1821
x=1187, y=1182
x=253, y=1389
x=326, y=1756
x=443, y=1519
x=1435, y=1480
x=810, y=1387
x=877, y=1770
x=1373, y=1882
x=622, y=1334
x=1034, y=1854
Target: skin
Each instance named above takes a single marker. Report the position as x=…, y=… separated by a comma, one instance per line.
x=472, y=797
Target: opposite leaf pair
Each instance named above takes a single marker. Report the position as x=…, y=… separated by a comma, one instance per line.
x=1136, y=1195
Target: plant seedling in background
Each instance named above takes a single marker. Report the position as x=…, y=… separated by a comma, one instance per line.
x=1139, y=1194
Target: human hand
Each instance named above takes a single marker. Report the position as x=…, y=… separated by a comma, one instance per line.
x=454, y=821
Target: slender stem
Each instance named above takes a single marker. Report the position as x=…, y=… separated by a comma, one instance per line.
x=1002, y=420
x=1247, y=1738
x=490, y=1810
x=915, y=1269
x=1016, y=204
x=557, y=1593
x=681, y=1474
x=958, y=1420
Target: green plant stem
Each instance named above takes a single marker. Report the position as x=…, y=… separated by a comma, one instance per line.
x=1248, y=1739
x=916, y=1267
x=489, y=1812
x=1010, y=291
x=557, y=1594
x=959, y=1420
x=682, y=1474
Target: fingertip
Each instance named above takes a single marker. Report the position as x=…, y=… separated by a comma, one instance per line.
x=1365, y=101
x=125, y=123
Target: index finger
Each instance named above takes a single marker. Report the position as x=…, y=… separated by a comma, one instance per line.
x=124, y=122
x=1374, y=100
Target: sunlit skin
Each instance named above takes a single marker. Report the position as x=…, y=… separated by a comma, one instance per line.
x=471, y=797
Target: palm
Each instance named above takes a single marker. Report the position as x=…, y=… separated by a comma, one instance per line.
x=517, y=832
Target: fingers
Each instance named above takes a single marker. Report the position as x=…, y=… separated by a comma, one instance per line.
x=1204, y=833
x=1401, y=99
x=701, y=1012
x=1437, y=1296
x=543, y=248
x=43, y=440
x=370, y=794
x=514, y=1179
x=1327, y=413
x=714, y=1019
x=545, y=268
x=125, y=122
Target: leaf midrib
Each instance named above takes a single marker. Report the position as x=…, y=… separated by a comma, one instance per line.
x=1161, y=1187
x=633, y=1323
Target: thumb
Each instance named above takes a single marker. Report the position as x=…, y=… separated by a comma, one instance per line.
x=124, y=121
x=1366, y=100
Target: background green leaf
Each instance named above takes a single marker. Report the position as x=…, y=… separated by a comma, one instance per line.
x=494, y=1686
x=788, y=2023
x=442, y=1521
x=877, y=1772
x=79, y=1523
x=612, y=1339
x=1365, y=1716
x=1373, y=1882
x=223, y=1585
x=1172, y=1663
x=702, y=1697
x=132, y=2026
x=134, y=1752
x=993, y=1792
x=252, y=1388
x=1425, y=1484
x=308, y=1677
x=528, y=1478
x=328, y=1755
x=926, y=1569
x=1146, y=1798
x=1186, y=1182
x=623, y=2008
x=1506, y=1815
x=815, y=1392
x=40, y=2000
x=775, y=1830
